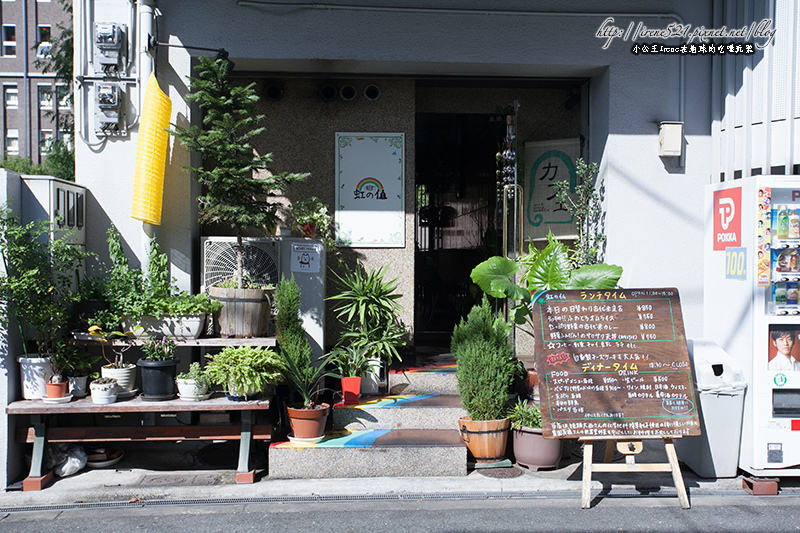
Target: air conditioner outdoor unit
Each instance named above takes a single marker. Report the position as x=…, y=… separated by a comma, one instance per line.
x=262, y=260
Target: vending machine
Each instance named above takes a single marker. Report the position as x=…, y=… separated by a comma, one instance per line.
x=752, y=270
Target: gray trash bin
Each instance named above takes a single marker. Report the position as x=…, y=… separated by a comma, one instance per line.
x=720, y=385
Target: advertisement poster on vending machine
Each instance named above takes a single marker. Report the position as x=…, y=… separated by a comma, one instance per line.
x=784, y=350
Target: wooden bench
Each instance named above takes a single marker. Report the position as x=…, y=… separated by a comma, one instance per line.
x=40, y=433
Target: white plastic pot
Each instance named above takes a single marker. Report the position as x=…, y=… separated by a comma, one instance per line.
x=34, y=372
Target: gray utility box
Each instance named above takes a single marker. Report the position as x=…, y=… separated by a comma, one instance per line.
x=720, y=387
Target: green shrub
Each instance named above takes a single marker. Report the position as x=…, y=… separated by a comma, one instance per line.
x=485, y=365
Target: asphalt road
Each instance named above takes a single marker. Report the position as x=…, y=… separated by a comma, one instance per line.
x=642, y=513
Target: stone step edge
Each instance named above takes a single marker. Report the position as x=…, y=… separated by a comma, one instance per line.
x=366, y=438
x=401, y=401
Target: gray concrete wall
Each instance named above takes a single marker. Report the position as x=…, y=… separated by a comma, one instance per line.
x=12, y=465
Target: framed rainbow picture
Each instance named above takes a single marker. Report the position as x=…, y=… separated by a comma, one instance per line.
x=370, y=190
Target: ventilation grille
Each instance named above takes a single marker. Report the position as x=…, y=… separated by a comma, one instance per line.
x=261, y=260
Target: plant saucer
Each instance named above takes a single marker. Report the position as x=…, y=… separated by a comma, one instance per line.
x=195, y=398
x=62, y=399
x=299, y=440
x=108, y=462
x=129, y=394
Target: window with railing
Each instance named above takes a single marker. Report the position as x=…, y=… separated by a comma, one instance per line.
x=9, y=36
x=12, y=142
x=11, y=96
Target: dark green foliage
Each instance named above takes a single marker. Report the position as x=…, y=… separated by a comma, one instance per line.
x=485, y=363
x=585, y=206
x=233, y=194
x=41, y=273
x=367, y=308
x=289, y=330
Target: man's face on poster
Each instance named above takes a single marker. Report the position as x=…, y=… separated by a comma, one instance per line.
x=784, y=344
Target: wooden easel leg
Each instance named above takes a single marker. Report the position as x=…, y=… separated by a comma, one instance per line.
x=586, y=495
x=677, y=477
x=610, y=444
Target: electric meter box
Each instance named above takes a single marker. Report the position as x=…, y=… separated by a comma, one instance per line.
x=110, y=48
x=108, y=97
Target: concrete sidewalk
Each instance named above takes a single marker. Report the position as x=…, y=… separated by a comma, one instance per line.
x=190, y=471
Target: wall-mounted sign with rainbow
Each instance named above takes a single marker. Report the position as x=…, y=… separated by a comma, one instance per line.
x=369, y=189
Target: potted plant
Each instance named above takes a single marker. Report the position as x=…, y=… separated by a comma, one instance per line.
x=77, y=368
x=236, y=187
x=485, y=368
x=193, y=385
x=531, y=449
x=158, y=369
x=367, y=309
x=244, y=371
x=123, y=373
x=104, y=390
x=307, y=418
x=40, y=267
x=309, y=216
x=352, y=362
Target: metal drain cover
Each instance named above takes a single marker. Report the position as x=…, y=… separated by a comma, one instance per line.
x=179, y=481
x=501, y=473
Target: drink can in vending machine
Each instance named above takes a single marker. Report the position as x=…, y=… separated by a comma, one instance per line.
x=791, y=293
x=779, y=294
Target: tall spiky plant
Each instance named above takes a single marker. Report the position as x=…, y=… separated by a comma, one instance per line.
x=234, y=193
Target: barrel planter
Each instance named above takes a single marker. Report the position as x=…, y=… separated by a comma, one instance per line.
x=158, y=379
x=485, y=439
x=245, y=312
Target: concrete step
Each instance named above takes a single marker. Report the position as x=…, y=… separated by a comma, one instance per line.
x=425, y=411
x=428, y=375
x=372, y=453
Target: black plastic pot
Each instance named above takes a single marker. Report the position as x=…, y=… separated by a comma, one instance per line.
x=158, y=379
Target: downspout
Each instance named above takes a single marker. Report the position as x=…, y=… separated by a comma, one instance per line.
x=26, y=82
x=144, y=68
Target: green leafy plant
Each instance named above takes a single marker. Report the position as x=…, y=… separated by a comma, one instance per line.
x=305, y=378
x=289, y=330
x=196, y=373
x=234, y=195
x=162, y=349
x=585, y=205
x=485, y=364
x=117, y=348
x=525, y=414
x=351, y=361
x=311, y=211
x=79, y=362
x=40, y=266
x=244, y=370
x=367, y=309
x=540, y=270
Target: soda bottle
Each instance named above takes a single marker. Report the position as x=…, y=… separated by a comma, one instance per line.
x=783, y=222
x=794, y=224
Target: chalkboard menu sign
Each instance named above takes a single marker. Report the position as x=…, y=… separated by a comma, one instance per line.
x=613, y=364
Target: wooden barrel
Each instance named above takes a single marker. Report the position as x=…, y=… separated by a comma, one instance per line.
x=485, y=439
x=245, y=312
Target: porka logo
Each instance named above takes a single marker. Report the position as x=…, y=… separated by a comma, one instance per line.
x=727, y=218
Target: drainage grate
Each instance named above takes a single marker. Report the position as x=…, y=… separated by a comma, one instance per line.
x=453, y=496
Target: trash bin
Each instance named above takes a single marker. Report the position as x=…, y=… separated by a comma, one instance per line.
x=720, y=386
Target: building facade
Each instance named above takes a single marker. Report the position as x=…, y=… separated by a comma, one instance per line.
x=32, y=100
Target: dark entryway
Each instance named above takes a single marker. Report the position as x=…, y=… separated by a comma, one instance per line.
x=456, y=215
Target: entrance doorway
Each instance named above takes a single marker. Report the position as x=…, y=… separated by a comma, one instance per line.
x=456, y=216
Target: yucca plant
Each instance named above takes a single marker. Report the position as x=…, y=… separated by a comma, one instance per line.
x=305, y=378
x=368, y=310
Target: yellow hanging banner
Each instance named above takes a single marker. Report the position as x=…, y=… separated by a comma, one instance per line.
x=151, y=154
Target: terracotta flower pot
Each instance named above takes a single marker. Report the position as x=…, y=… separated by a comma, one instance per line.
x=308, y=423
x=531, y=449
x=351, y=390
x=485, y=439
x=56, y=390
